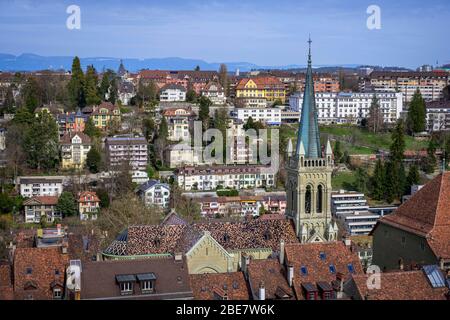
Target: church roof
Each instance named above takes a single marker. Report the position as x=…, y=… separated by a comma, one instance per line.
x=308, y=132
x=427, y=214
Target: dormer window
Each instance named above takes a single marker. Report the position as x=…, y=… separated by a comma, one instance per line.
x=57, y=293
x=303, y=271
x=29, y=270
x=126, y=283
x=147, y=282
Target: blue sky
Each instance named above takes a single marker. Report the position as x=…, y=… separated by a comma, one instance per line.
x=264, y=32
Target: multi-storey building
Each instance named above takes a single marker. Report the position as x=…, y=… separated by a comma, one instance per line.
x=215, y=92
x=71, y=122
x=127, y=148
x=351, y=107
x=40, y=186
x=172, y=93
x=430, y=84
x=251, y=102
x=237, y=147
x=438, y=116
x=230, y=206
x=269, y=116
x=88, y=205
x=153, y=192
x=180, y=154
x=105, y=115
x=74, y=149
x=348, y=202
x=275, y=203
x=41, y=206
x=261, y=87
x=179, y=123
x=237, y=177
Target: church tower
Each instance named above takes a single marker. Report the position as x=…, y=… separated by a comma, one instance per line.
x=309, y=169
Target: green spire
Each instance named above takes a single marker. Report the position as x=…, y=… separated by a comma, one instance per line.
x=308, y=132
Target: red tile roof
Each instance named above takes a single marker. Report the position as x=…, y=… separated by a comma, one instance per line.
x=67, y=138
x=6, y=288
x=427, y=214
x=214, y=286
x=403, y=285
x=273, y=276
x=317, y=258
x=47, y=268
x=261, y=83
x=45, y=200
x=86, y=194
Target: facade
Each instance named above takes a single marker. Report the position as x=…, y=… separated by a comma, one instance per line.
x=275, y=204
x=238, y=150
x=178, y=155
x=88, y=205
x=430, y=84
x=106, y=115
x=153, y=192
x=268, y=87
x=127, y=148
x=351, y=107
x=40, y=186
x=139, y=177
x=126, y=92
x=438, y=116
x=251, y=102
x=231, y=206
x=269, y=116
x=348, y=202
x=308, y=183
x=172, y=93
x=41, y=206
x=418, y=232
x=179, y=123
x=215, y=92
x=235, y=177
x=71, y=122
x=74, y=149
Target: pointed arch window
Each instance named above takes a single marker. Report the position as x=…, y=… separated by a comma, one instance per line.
x=308, y=195
x=319, y=200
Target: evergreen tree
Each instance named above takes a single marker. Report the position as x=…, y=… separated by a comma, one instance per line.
x=197, y=68
x=104, y=85
x=378, y=181
x=91, y=130
x=191, y=96
x=75, y=86
x=163, y=131
x=402, y=181
x=66, y=204
x=337, y=152
x=41, y=142
x=413, y=178
x=203, y=113
x=9, y=103
x=391, y=182
x=93, y=160
x=416, y=114
x=113, y=90
x=23, y=117
x=32, y=94
x=361, y=180
x=375, y=118
x=429, y=164
x=397, y=148
x=90, y=86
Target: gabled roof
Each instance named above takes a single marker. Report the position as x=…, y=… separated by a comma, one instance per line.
x=91, y=194
x=320, y=262
x=264, y=82
x=213, y=286
x=403, y=285
x=45, y=200
x=173, y=86
x=427, y=214
x=150, y=184
x=67, y=138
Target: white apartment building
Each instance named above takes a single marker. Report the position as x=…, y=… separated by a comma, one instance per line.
x=39, y=186
x=179, y=122
x=351, y=107
x=438, y=116
x=269, y=116
x=127, y=148
x=237, y=148
x=172, y=93
x=153, y=192
x=181, y=154
x=214, y=92
x=210, y=177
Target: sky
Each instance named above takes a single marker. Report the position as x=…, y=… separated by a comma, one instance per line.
x=264, y=32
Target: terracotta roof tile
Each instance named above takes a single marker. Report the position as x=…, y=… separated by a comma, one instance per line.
x=214, y=286
x=45, y=200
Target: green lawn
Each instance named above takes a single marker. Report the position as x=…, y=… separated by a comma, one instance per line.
x=343, y=180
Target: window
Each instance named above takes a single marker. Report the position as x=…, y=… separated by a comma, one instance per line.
x=403, y=240
x=57, y=293
x=308, y=200
x=319, y=199
x=332, y=268
x=147, y=286
x=126, y=288
x=29, y=270
x=322, y=255
x=350, y=268
x=303, y=271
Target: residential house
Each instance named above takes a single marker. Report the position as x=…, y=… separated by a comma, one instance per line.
x=270, y=88
x=179, y=123
x=106, y=115
x=418, y=232
x=172, y=93
x=214, y=92
x=74, y=149
x=129, y=149
x=70, y=122
x=181, y=154
x=153, y=192
x=40, y=186
x=438, y=115
x=88, y=205
x=275, y=204
x=41, y=206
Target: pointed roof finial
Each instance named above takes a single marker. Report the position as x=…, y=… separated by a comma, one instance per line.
x=309, y=53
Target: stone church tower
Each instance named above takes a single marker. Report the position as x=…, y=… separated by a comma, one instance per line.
x=309, y=171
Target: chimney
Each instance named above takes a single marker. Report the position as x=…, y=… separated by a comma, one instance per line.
x=245, y=261
x=58, y=228
x=281, y=256
x=262, y=291
x=347, y=241
x=400, y=264
x=178, y=256
x=290, y=275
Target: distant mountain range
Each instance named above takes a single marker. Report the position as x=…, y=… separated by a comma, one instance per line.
x=33, y=62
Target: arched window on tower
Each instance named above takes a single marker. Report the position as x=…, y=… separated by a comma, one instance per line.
x=319, y=200
x=308, y=195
